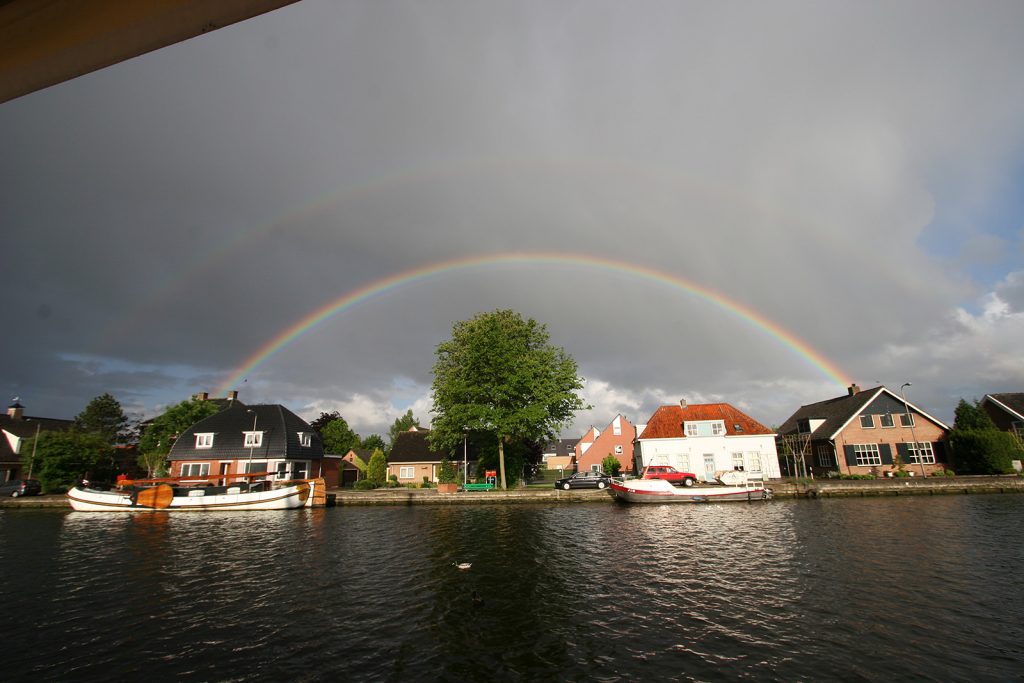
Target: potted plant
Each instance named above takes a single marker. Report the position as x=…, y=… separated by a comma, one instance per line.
x=447, y=478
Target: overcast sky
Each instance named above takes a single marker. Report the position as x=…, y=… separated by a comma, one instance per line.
x=851, y=172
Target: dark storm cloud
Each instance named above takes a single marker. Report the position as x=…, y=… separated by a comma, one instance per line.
x=166, y=217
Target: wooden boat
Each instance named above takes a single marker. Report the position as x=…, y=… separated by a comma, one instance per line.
x=661, y=491
x=166, y=494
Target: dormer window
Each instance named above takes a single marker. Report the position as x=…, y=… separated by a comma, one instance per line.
x=305, y=439
x=705, y=428
x=204, y=440
x=253, y=439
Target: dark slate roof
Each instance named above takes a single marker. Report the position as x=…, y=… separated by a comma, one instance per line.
x=667, y=421
x=561, y=447
x=837, y=412
x=1014, y=402
x=413, y=446
x=25, y=428
x=279, y=425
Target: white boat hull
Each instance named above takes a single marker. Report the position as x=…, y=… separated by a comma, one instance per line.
x=295, y=496
x=661, y=491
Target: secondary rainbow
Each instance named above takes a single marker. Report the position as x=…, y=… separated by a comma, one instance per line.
x=357, y=296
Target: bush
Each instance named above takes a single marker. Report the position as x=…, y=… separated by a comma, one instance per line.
x=365, y=485
x=986, y=451
x=447, y=473
x=857, y=476
x=901, y=473
x=611, y=465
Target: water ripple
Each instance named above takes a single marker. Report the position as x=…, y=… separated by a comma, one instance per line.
x=870, y=590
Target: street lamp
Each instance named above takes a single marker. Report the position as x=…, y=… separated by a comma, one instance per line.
x=910, y=421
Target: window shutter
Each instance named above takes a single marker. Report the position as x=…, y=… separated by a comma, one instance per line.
x=885, y=450
x=903, y=452
x=851, y=457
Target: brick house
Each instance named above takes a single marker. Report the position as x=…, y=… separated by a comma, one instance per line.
x=866, y=432
x=412, y=460
x=17, y=428
x=1007, y=412
x=616, y=440
x=560, y=455
x=256, y=438
x=705, y=439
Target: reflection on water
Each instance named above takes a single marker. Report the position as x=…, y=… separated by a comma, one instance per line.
x=871, y=589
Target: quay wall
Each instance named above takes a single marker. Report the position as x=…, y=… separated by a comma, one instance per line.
x=821, y=488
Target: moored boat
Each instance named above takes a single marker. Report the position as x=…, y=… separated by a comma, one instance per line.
x=661, y=491
x=161, y=495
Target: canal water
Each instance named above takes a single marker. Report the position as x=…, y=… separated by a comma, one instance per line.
x=883, y=589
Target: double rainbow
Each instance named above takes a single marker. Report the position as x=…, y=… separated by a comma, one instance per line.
x=434, y=270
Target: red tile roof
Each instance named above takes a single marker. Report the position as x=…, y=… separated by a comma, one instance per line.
x=667, y=421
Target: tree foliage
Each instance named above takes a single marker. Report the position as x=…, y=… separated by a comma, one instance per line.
x=979, y=447
x=104, y=416
x=61, y=458
x=500, y=374
x=373, y=442
x=402, y=424
x=970, y=417
x=611, y=465
x=161, y=433
x=324, y=420
x=338, y=437
x=377, y=468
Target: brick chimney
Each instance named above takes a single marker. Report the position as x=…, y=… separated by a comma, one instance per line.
x=854, y=390
x=15, y=411
x=202, y=395
x=682, y=403
x=232, y=395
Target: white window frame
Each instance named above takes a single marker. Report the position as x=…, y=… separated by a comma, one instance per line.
x=867, y=454
x=927, y=452
x=882, y=418
x=305, y=439
x=595, y=467
x=904, y=421
x=203, y=469
x=252, y=439
x=204, y=440
x=870, y=419
x=753, y=461
x=691, y=429
x=717, y=428
x=737, y=461
x=618, y=449
x=407, y=472
x=826, y=455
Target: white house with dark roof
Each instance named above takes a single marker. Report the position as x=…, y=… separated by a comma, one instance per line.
x=17, y=428
x=252, y=438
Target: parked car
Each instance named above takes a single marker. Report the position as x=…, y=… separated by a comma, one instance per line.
x=21, y=487
x=669, y=473
x=584, y=480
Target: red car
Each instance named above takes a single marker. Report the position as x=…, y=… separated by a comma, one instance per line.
x=669, y=473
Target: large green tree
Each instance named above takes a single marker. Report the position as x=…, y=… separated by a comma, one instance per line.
x=58, y=459
x=104, y=416
x=499, y=373
x=373, y=442
x=161, y=433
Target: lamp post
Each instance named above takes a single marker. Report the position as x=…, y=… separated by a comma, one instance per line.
x=910, y=421
x=465, y=456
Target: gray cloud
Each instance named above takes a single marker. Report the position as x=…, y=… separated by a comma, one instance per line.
x=170, y=215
